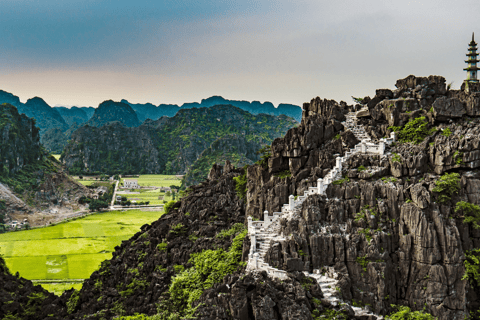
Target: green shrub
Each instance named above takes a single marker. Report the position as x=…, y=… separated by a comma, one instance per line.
x=337, y=137
x=177, y=229
x=405, y=313
x=415, y=131
x=396, y=158
x=446, y=132
x=361, y=168
x=471, y=212
x=234, y=230
x=367, y=234
x=265, y=153
x=472, y=266
x=209, y=267
x=168, y=207
x=458, y=157
x=447, y=185
x=162, y=246
x=341, y=181
x=283, y=174
x=241, y=185
x=178, y=268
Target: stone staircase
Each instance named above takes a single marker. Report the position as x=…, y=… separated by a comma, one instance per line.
x=262, y=233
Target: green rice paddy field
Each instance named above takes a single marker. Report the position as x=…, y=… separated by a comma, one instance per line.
x=70, y=252
x=156, y=180
x=148, y=195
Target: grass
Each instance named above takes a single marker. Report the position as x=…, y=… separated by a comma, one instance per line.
x=72, y=250
x=156, y=180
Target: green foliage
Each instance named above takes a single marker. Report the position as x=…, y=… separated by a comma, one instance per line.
x=405, y=313
x=241, y=185
x=162, y=247
x=283, y=174
x=396, y=158
x=471, y=212
x=177, y=229
x=337, y=136
x=136, y=284
x=34, y=303
x=329, y=314
x=357, y=100
x=415, y=131
x=472, y=266
x=361, y=168
x=446, y=186
x=367, y=234
x=458, y=157
x=169, y=206
x=265, y=153
x=178, y=268
x=363, y=262
x=234, y=230
x=341, y=181
x=446, y=132
x=209, y=267
x=73, y=301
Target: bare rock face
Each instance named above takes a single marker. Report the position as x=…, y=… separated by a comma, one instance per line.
x=445, y=108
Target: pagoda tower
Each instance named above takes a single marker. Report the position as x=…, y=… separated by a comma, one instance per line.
x=472, y=62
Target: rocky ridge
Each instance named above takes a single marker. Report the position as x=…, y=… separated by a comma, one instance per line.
x=385, y=232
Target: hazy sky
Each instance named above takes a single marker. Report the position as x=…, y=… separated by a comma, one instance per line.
x=82, y=52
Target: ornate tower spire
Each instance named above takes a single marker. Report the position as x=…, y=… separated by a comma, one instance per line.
x=472, y=55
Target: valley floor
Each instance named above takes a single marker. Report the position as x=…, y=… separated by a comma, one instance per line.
x=61, y=256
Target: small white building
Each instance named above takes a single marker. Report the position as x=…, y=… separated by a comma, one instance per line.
x=131, y=184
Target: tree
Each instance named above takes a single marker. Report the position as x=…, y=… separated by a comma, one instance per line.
x=97, y=205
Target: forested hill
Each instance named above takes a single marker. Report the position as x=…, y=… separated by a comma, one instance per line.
x=172, y=145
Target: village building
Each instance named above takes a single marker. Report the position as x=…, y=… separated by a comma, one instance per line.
x=131, y=184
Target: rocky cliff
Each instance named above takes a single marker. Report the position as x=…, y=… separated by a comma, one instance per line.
x=397, y=228
x=171, y=145
x=28, y=174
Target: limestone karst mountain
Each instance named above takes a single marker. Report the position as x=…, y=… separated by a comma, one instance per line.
x=172, y=145
x=110, y=111
x=26, y=169
x=394, y=225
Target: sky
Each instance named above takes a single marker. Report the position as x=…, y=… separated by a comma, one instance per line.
x=82, y=52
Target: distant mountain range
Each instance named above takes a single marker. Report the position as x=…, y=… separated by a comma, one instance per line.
x=56, y=124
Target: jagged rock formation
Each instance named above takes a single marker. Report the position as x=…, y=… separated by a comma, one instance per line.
x=110, y=111
x=386, y=232
x=171, y=145
x=28, y=173
x=150, y=111
x=235, y=148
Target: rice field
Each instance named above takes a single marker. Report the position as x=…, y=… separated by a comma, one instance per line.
x=70, y=251
x=148, y=195
x=156, y=180
x=56, y=156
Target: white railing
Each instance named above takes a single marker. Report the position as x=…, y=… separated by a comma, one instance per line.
x=259, y=230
